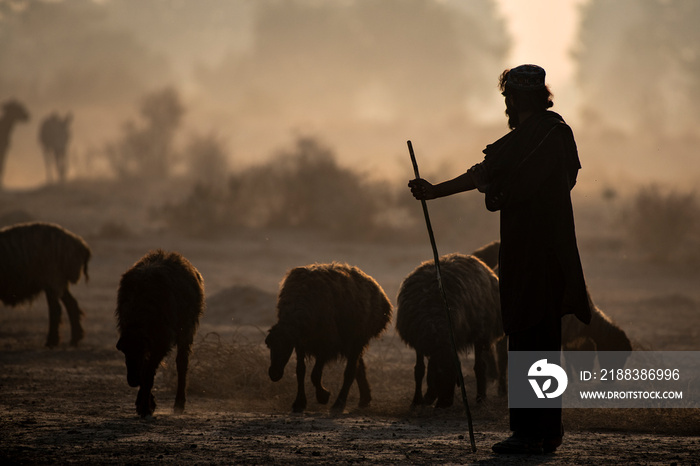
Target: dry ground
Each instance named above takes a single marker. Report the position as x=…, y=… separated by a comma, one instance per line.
x=72, y=405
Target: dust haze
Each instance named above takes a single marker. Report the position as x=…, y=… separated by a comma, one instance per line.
x=363, y=76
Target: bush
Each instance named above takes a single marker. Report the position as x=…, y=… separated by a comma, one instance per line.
x=305, y=187
x=204, y=213
x=207, y=161
x=664, y=225
x=301, y=188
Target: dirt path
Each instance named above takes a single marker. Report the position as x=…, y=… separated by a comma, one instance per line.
x=70, y=406
x=216, y=437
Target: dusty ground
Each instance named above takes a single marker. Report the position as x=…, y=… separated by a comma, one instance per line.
x=73, y=405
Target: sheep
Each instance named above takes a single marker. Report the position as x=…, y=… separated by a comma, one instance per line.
x=328, y=312
x=471, y=288
x=36, y=257
x=602, y=334
x=159, y=303
x=488, y=254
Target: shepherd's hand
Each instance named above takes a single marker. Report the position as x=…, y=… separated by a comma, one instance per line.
x=421, y=189
x=479, y=177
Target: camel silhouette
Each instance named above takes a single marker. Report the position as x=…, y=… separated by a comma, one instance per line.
x=54, y=135
x=13, y=112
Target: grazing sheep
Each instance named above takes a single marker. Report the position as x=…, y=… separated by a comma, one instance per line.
x=489, y=253
x=159, y=303
x=472, y=294
x=327, y=311
x=36, y=257
x=602, y=334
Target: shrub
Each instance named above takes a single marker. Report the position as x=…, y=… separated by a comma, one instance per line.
x=664, y=224
x=305, y=187
x=299, y=188
x=207, y=161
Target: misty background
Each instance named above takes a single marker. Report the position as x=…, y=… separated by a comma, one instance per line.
x=248, y=98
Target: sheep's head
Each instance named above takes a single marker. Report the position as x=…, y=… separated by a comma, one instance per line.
x=614, y=358
x=281, y=347
x=136, y=348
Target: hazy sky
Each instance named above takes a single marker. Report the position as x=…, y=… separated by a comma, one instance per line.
x=544, y=32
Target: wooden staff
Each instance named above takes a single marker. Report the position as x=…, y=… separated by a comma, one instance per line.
x=458, y=365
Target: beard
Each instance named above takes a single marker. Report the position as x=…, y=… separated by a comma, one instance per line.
x=512, y=115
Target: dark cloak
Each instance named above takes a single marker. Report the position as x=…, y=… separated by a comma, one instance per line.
x=532, y=170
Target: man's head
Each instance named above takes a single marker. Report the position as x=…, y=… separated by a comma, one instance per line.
x=525, y=91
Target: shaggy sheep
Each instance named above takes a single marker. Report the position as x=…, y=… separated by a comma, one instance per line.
x=159, y=303
x=36, y=257
x=602, y=334
x=472, y=294
x=488, y=254
x=327, y=311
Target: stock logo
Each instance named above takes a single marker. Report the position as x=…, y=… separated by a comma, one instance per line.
x=544, y=371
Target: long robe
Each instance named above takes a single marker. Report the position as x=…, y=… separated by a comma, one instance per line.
x=531, y=171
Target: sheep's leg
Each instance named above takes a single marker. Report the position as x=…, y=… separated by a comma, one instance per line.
x=363, y=384
x=432, y=383
x=61, y=165
x=145, y=401
x=300, y=402
x=322, y=395
x=48, y=155
x=74, y=315
x=445, y=376
x=348, y=379
x=182, y=361
x=481, y=353
x=54, y=317
x=418, y=373
x=3, y=152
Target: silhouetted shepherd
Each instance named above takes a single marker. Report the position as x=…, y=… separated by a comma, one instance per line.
x=328, y=312
x=13, y=112
x=36, y=257
x=159, y=303
x=472, y=295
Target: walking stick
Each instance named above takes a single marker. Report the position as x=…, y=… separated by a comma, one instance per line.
x=458, y=365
